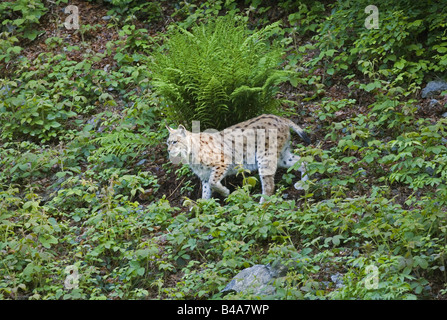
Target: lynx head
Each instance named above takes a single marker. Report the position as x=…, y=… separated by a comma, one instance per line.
x=179, y=144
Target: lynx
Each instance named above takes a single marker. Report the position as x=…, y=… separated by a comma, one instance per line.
x=261, y=143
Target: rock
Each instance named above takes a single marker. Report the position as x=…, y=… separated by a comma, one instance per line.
x=94, y=122
x=278, y=270
x=433, y=88
x=433, y=103
x=433, y=107
x=430, y=171
x=4, y=90
x=444, y=114
x=337, y=279
x=257, y=280
x=141, y=162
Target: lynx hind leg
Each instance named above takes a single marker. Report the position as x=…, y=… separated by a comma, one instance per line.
x=287, y=160
x=214, y=183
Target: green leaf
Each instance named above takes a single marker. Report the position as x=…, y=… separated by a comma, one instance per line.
x=372, y=85
x=18, y=22
x=55, y=124
x=140, y=271
x=419, y=261
x=336, y=239
x=400, y=64
x=32, y=34
x=15, y=50
x=47, y=240
x=294, y=82
x=29, y=269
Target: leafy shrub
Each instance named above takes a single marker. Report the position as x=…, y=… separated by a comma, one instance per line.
x=21, y=17
x=34, y=117
x=418, y=158
x=7, y=48
x=24, y=162
x=143, y=10
x=409, y=43
x=220, y=73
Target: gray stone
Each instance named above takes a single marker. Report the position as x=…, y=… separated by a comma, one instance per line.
x=257, y=280
x=141, y=162
x=337, y=279
x=433, y=88
x=430, y=171
x=4, y=90
x=94, y=122
x=433, y=103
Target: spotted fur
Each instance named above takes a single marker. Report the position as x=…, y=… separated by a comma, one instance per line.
x=261, y=143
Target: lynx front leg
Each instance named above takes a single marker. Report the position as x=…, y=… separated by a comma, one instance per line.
x=206, y=190
x=268, y=185
x=267, y=169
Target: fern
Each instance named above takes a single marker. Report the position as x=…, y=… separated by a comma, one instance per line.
x=219, y=73
x=120, y=142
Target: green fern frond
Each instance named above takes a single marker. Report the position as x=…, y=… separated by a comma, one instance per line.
x=219, y=73
x=119, y=143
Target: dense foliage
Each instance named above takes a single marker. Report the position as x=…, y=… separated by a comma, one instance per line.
x=91, y=208
x=413, y=45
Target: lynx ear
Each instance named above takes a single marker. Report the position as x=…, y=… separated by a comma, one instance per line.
x=170, y=129
x=182, y=130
